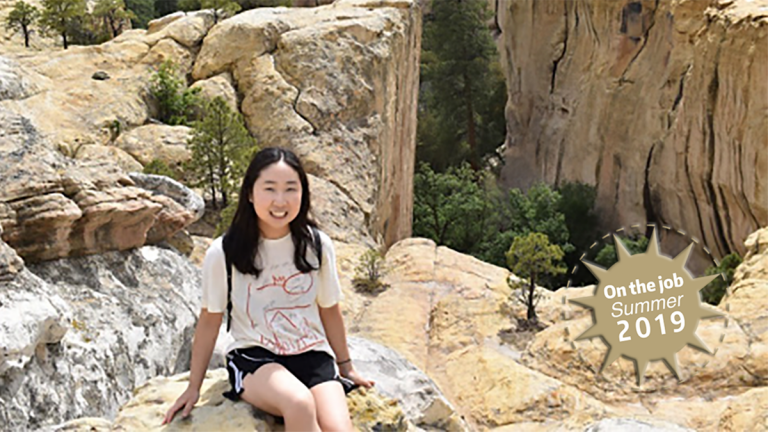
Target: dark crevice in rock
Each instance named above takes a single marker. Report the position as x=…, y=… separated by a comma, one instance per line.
x=680, y=88
x=559, y=169
x=646, y=33
x=690, y=185
x=559, y=58
x=712, y=91
x=650, y=215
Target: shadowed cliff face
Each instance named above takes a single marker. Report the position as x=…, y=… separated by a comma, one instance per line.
x=661, y=105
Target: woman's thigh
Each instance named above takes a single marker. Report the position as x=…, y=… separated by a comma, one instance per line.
x=272, y=388
x=331, y=405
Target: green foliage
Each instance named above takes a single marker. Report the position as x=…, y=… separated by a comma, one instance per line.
x=463, y=94
x=451, y=208
x=537, y=210
x=221, y=150
x=21, y=18
x=577, y=204
x=176, y=103
x=144, y=11
x=466, y=211
x=607, y=255
x=369, y=271
x=532, y=256
x=113, y=15
x=159, y=167
x=226, y=217
x=63, y=17
x=220, y=8
x=165, y=7
x=715, y=290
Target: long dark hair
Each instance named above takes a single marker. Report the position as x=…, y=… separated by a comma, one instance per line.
x=242, y=238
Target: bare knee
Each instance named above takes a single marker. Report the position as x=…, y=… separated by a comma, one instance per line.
x=299, y=404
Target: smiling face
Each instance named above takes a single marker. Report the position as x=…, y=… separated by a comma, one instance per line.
x=276, y=198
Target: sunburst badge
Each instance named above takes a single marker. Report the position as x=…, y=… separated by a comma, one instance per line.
x=646, y=307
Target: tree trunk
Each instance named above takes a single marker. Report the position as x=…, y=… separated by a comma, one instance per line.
x=64, y=39
x=531, y=307
x=471, y=135
x=25, y=29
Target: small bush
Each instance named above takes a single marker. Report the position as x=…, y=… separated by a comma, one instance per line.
x=369, y=271
x=175, y=102
x=717, y=288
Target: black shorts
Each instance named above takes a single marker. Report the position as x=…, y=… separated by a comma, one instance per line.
x=311, y=368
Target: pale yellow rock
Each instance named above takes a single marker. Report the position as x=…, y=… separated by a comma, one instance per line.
x=145, y=411
x=101, y=152
x=188, y=31
x=747, y=413
x=170, y=50
x=338, y=216
x=162, y=142
x=218, y=86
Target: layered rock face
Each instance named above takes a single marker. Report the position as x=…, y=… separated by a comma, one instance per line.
x=660, y=105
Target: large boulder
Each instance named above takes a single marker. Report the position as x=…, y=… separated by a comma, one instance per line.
x=78, y=334
x=403, y=399
x=52, y=206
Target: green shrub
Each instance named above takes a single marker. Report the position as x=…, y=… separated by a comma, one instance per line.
x=369, y=271
x=175, y=102
x=715, y=290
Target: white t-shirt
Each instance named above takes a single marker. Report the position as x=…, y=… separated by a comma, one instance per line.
x=279, y=309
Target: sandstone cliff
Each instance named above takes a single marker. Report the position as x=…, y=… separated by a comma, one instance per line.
x=660, y=105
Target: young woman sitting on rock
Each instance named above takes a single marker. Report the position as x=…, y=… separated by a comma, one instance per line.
x=289, y=356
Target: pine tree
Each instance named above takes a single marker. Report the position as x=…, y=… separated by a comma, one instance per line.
x=21, y=18
x=531, y=257
x=461, y=113
x=221, y=150
x=145, y=11
x=114, y=15
x=62, y=17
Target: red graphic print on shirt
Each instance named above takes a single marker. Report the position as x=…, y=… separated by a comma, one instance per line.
x=290, y=332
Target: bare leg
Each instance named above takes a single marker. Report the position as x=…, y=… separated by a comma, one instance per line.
x=332, y=410
x=272, y=388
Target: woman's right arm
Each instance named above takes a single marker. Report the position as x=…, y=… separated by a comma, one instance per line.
x=206, y=332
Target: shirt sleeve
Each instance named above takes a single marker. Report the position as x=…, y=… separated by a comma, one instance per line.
x=214, y=278
x=329, y=289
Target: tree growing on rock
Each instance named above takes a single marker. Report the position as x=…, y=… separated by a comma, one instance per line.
x=113, y=15
x=221, y=150
x=175, y=102
x=62, y=17
x=531, y=257
x=21, y=18
x=220, y=8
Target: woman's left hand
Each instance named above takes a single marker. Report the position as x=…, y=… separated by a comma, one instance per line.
x=348, y=371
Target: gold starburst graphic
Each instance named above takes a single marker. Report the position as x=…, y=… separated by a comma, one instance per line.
x=647, y=307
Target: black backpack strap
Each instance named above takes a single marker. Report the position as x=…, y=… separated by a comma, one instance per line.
x=318, y=245
x=229, y=291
